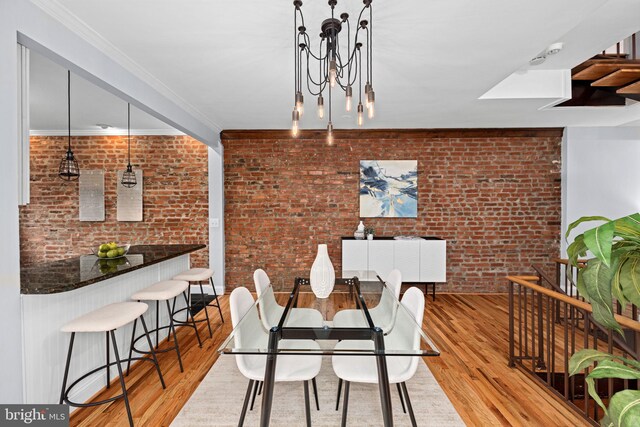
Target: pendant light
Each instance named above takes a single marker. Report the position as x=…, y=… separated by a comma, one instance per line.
x=69, y=169
x=129, y=176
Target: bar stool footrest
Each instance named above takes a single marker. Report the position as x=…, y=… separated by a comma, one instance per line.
x=151, y=331
x=101, y=402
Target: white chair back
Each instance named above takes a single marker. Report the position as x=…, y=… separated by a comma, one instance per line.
x=394, y=282
x=405, y=334
x=384, y=314
x=250, y=333
x=270, y=310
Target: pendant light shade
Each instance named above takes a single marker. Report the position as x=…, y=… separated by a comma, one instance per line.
x=69, y=169
x=129, y=176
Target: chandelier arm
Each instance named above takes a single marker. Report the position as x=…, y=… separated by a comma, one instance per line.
x=295, y=52
x=307, y=41
x=369, y=44
x=360, y=76
x=311, y=81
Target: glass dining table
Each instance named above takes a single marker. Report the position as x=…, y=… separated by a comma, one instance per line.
x=378, y=326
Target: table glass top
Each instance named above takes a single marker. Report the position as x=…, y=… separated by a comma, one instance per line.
x=344, y=323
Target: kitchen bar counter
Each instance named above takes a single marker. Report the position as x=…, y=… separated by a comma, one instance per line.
x=74, y=273
x=57, y=292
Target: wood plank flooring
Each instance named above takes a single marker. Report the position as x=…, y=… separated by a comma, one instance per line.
x=470, y=330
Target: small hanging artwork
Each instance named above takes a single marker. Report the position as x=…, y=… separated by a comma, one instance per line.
x=130, y=199
x=389, y=188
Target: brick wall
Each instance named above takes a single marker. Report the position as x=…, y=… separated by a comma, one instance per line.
x=175, y=196
x=494, y=195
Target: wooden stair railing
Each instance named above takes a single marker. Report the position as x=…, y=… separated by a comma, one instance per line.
x=546, y=327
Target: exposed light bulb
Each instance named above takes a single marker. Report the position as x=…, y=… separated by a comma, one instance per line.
x=349, y=96
x=320, y=107
x=371, y=98
x=330, y=134
x=300, y=103
x=333, y=72
x=360, y=114
x=367, y=89
x=295, y=118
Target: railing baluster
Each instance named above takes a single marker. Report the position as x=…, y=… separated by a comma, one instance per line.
x=520, y=346
x=511, y=326
x=610, y=350
x=566, y=352
x=549, y=323
x=573, y=348
x=587, y=326
x=534, y=357
x=526, y=325
x=556, y=312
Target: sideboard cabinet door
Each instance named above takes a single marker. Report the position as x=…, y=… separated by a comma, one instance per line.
x=433, y=261
x=381, y=257
x=406, y=258
x=354, y=255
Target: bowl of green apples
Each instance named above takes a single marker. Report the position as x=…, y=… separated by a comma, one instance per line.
x=111, y=250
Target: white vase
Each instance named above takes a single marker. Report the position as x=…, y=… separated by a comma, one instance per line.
x=322, y=276
x=359, y=233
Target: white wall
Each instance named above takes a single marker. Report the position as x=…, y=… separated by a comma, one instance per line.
x=601, y=174
x=216, y=217
x=21, y=20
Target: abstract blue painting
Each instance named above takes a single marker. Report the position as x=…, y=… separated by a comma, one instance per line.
x=389, y=188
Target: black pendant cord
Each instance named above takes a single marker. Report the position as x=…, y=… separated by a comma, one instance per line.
x=129, y=135
x=69, y=109
x=360, y=76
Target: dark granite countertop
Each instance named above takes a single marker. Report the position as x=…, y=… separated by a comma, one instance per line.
x=392, y=238
x=73, y=273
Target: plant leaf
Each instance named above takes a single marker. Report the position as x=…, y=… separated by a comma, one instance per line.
x=606, y=422
x=599, y=241
x=585, y=358
x=630, y=279
x=628, y=225
x=611, y=369
x=616, y=287
x=624, y=408
x=597, y=280
x=574, y=224
x=591, y=386
x=575, y=250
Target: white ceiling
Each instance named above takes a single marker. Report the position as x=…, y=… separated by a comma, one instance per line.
x=232, y=60
x=90, y=105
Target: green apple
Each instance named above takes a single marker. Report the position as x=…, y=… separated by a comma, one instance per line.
x=120, y=251
x=112, y=253
x=104, y=248
x=102, y=254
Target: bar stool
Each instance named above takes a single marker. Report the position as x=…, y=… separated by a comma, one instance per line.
x=107, y=319
x=200, y=275
x=161, y=291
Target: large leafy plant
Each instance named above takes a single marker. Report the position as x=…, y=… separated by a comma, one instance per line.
x=613, y=273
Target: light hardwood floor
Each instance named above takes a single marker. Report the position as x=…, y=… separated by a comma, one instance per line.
x=470, y=330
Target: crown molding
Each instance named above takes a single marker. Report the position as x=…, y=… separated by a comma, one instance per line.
x=106, y=132
x=67, y=18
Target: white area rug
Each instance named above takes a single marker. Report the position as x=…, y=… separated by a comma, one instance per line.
x=218, y=401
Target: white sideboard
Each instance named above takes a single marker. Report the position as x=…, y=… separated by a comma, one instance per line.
x=419, y=261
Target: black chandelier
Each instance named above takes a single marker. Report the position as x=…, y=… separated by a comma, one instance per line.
x=328, y=69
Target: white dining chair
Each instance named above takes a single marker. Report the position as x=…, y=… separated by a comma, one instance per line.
x=249, y=334
x=271, y=311
x=383, y=314
x=404, y=336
